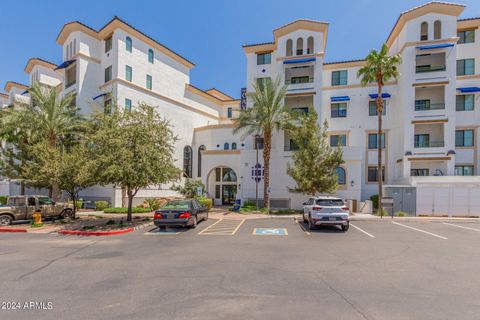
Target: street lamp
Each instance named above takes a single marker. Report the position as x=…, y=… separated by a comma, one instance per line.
x=257, y=137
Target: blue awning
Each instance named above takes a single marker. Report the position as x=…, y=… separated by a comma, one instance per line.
x=436, y=46
x=375, y=95
x=25, y=92
x=65, y=64
x=99, y=96
x=340, y=98
x=299, y=60
x=469, y=89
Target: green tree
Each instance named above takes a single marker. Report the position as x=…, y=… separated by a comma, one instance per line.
x=134, y=150
x=267, y=115
x=379, y=69
x=314, y=162
x=189, y=189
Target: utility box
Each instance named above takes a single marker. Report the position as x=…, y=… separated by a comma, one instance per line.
x=404, y=198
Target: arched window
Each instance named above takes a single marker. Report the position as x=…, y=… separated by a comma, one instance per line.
x=234, y=146
x=226, y=146
x=199, y=170
x=289, y=52
x=299, y=46
x=424, y=31
x=187, y=161
x=150, y=55
x=128, y=44
x=341, y=175
x=437, y=29
x=229, y=175
x=310, y=46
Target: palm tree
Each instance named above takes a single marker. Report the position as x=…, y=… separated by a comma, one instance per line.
x=380, y=68
x=267, y=115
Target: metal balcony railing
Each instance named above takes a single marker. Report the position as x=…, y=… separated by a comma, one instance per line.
x=298, y=80
x=426, y=105
x=422, y=69
x=429, y=144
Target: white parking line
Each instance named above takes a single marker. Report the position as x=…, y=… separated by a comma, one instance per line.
x=468, y=228
x=420, y=230
x=359, y=229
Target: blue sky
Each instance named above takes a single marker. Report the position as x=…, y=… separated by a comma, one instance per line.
x=210, y=32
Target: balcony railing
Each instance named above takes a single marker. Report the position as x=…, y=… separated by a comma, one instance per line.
x=426, y=105
x=429, y=144
x=422, y=69
x=298, y=80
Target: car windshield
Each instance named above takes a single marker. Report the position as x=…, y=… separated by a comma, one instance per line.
x=330, y=202
x=177, y=204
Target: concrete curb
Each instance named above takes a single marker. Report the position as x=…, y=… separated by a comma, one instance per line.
x=13, y=230
x=103, y=233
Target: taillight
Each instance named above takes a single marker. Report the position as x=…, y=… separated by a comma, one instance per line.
x=317, y=208
x=157, y=216
x=184, y=215
x=345, y=208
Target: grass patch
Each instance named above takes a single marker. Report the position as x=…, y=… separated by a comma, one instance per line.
x=37, y=225
x=125, y=210
x=109, y=222
x=88, y=227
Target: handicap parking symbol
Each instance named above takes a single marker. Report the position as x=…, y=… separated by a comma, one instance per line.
x=270, y=232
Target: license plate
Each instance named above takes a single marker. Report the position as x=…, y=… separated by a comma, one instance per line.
x=332, y=218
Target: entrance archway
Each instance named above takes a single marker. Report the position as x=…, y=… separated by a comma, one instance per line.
x=222, y=185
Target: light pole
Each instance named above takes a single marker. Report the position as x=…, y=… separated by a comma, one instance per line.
x=257, y=137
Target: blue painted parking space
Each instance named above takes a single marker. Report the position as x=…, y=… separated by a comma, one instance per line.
x=270, y=232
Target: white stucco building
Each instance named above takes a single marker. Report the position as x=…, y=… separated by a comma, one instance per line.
x=430, y=122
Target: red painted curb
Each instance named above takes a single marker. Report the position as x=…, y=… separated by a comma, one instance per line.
x=95, y=233
x=12, y=230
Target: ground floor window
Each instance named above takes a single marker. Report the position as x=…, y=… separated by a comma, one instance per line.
x=464, y=170
x=419, y=172
x=373, y=174
x=341, y=176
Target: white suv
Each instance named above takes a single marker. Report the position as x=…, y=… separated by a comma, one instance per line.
x=325, y=210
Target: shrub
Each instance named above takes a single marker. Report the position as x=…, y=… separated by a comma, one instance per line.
x=78, y=204
x=101, y=205
x=207, y=202
x=152, y=204
x=124, y=210
x=249, y=203
x=401, y=214
x=189, y=189
x=3, y=200
x=374, y=199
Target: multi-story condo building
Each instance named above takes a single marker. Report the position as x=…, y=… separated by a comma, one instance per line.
x=430, y=121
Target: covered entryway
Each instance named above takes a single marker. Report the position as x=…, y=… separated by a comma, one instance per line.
x=222, y=185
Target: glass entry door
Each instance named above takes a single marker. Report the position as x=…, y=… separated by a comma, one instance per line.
x=229, y=194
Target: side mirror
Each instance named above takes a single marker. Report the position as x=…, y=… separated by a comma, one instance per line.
x=304, y=203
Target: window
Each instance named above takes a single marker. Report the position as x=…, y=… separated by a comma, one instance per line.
x=150, y=56
x=128, y=73
x=108, y=44
x=292, y=146
x=289, y=50
x=299, y=51
x=264, y=58
x=467, y=36
x=218, y=174
x=464, y=138
x=341, y=176
x=71, y=75
x=234, y=146
x=301, y=110
x=310, y=46
x=373, y=141
x=107, y=105
x=228, y=175
x=372, y=108
x=338, y=139
x=421, y=105
x=421, y=141
x=128, y=44
x=373, y=174
x=339, y=78
x=149, y=82
x=45, y=201
x=419, y=172
x=259, y=143
x=199, y=157
x=226, y=146
x=31, y=202
x=229, y=112
x=465, y=67
x=464, y=170
x=437, y=30
x=465, y=102
x=108, y=74
x=424, y=31
x=187, y=161
x=339, y=110
x=128, y=104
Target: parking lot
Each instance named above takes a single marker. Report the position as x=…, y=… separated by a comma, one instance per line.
x=250, y=269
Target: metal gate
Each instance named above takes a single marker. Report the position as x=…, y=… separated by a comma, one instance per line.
x=404, y=198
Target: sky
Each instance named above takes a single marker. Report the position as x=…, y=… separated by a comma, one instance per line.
x=209, y=33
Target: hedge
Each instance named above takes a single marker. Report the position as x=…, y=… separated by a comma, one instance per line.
x=124, y=210
x=101, y=205
x=3, y=200
x=374, y=199
x=207, y=202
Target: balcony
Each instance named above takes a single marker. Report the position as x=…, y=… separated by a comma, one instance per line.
x=428, y=144
x=299, y=77
x=429, y=68
x=429, y=137
x=425, y=105
x=435, y=62
x=299, y=80
x=429, y=102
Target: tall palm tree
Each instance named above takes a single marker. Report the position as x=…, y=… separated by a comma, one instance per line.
x=380, y=68
x=267, y=115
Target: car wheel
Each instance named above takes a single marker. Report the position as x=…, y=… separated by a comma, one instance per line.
x=66, y=214
x=5, y=220
x=311, y=226
x=345, y=227
x=304, y=219
x=206, y=217
x=194, y=224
